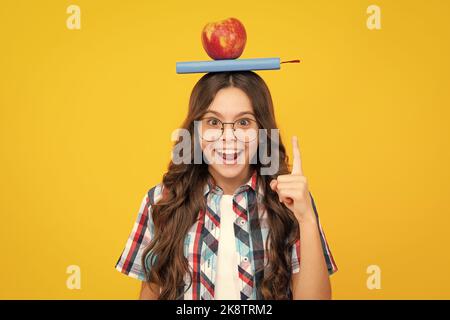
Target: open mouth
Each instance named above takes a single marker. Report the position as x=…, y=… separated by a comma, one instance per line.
x=229, y=155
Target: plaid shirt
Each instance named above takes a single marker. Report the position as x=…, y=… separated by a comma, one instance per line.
x=251, y=228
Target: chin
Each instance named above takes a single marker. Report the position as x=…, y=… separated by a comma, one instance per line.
x=230, y=164
x=229, y=171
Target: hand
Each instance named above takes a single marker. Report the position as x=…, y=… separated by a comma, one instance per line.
x=292, y=189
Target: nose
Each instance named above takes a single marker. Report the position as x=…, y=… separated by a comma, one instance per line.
x=228, y=133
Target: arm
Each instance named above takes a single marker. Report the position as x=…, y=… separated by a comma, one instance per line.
x=149, y=291
x=130, y=261
x=312, y=282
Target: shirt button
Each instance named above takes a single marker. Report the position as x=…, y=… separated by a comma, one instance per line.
x=245, y=259
x=242, y=222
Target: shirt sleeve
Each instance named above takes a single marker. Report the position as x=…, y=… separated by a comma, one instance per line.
x=130, y=261
x=331, y=264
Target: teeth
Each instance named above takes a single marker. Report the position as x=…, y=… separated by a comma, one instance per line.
x=229, y=151
x=229, y=154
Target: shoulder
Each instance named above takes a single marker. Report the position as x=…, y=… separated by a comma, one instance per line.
x=155, y=194
x=152, y=196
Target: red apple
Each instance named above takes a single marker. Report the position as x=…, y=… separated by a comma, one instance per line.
x=224, y=39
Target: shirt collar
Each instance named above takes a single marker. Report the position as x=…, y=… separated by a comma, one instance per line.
x=252, y=184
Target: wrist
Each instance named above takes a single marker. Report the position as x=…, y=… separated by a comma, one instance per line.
x=309, y=218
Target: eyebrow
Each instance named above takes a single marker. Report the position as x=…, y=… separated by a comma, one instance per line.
x=238, y=115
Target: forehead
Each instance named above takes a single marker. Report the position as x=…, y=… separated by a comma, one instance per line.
x=231, y=101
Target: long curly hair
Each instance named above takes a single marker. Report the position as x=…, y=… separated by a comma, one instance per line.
x=175, y=213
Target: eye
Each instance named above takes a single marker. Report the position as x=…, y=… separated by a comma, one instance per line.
x=213, y=122
x=243, y=122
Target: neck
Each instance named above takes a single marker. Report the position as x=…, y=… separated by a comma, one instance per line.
x=229, y=185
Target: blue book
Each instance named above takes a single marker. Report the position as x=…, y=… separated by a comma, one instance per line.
x=229, y=65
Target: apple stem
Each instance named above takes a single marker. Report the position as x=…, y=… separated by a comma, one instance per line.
x=291, y=61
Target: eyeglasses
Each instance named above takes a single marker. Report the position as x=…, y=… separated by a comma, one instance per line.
x=245, y=129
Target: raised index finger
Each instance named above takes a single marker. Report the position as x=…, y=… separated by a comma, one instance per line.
x=297, y=161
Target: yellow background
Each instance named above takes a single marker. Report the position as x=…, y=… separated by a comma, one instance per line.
x=86, y=117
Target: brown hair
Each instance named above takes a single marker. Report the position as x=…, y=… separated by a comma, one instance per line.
x=183, y=198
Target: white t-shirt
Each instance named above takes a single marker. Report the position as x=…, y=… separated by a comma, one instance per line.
x=227, y=280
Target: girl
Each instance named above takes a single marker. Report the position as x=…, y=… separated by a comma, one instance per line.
x=220, y=228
